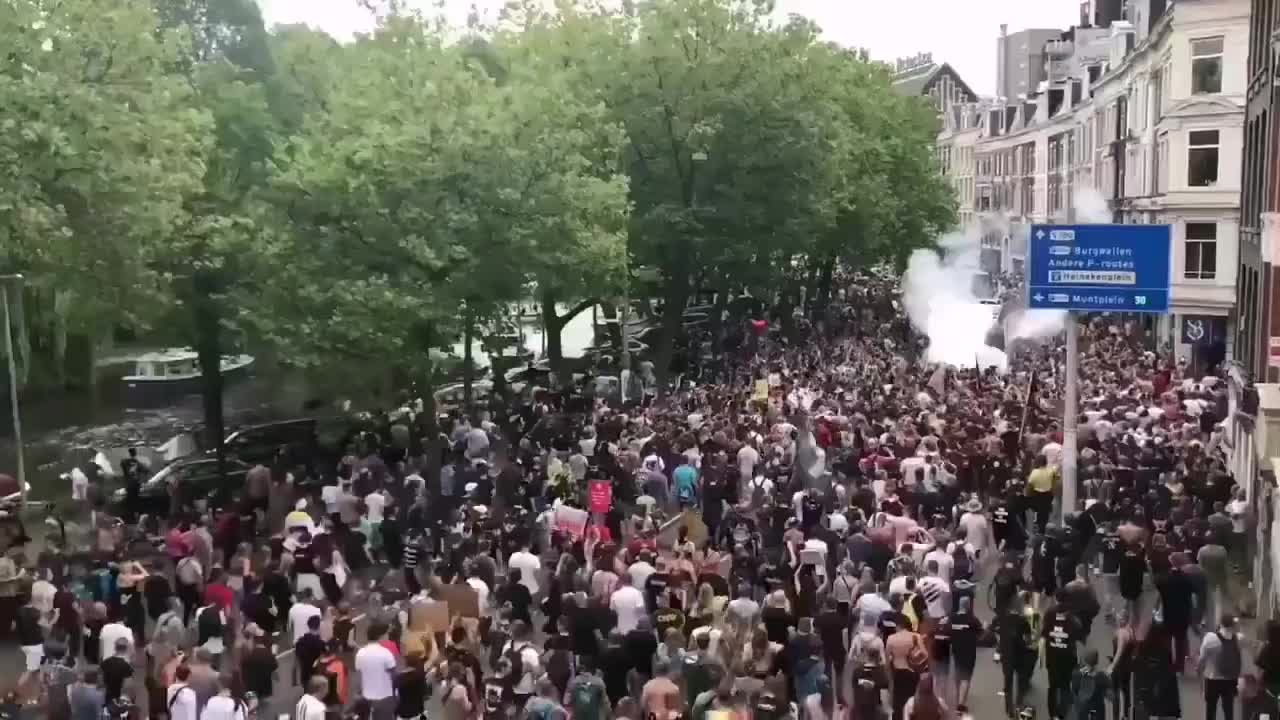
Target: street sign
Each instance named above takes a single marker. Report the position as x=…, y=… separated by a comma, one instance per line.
x=1107, y=268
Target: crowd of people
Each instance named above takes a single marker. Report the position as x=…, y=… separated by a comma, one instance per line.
x=833, y=529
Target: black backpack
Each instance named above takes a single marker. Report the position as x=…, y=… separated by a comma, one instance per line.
x=209, y=624
x=961, y=564
x=1229, y=661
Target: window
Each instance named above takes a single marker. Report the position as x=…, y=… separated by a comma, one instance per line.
x=1202, y=158
x=1161, y=165
x=1201, y=261
x=1157, y=96
x=1206, y=66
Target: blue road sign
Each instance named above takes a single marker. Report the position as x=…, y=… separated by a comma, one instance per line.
x=1116, y=268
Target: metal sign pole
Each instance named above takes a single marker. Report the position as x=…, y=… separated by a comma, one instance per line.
x=1070, y=416
x=13, y=386
x=1093, y=268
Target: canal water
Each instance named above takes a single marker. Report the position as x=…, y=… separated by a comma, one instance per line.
x=60, y=431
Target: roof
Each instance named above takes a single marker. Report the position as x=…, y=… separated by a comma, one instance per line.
x=168, y=355
x=917, y=81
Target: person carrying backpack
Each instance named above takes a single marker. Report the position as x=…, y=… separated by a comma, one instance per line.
x=587, y=698
x=961, y=562
x=1220, y=663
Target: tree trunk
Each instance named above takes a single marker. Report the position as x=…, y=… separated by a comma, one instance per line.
x=610, y=312
x=60, y=300
x=717, y=319
x=809, y=289
x=822, y=298
x=677, y=294
x=206, y=324
x=554, y=324
x=468, y=362
x=551, y=326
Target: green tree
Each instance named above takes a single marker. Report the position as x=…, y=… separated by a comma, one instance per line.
x=99, y=147
x=437, y=188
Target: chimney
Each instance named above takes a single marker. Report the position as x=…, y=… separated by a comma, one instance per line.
x=1002, y=54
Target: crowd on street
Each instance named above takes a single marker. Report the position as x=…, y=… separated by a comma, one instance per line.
x=834, y=528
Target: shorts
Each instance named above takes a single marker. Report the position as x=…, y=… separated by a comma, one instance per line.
x=34, y=655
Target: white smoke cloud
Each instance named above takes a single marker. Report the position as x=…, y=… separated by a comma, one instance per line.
x=938, y=295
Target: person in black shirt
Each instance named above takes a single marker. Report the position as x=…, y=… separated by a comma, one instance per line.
x=655, y=587
x=307, y=650
x=515, y=593
x=963, y=628
x=1016, y=653
x=641, y=645
x=1111, y=549
x=116, y=670
x=1060, y=632
x=258, y=669
x=667, y=617
x=615, y=663
x=776, y=618
x=831, y=625
x=1175, y=601
x=412, y=689
x=1044, y=563
x=1133, y=570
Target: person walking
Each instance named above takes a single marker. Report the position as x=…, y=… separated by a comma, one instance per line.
x=376, y=667
x=1060, y=633
x=1089, y=688
x=1016, y=644
x=925, y=703
x=904, y=648
x=311, y=705
x=1219, y=664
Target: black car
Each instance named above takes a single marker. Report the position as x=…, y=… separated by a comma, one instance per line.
x=199, y=479
x=314, y=443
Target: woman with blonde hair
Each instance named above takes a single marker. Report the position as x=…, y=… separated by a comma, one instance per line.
x=925, y=704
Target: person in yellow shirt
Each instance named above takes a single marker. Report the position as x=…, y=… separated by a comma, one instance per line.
x=1041, y=484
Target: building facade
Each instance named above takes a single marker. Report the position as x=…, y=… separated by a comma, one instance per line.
x=1020, y=61
x=1258, y=288
x=961, y=128
x=1138, y=122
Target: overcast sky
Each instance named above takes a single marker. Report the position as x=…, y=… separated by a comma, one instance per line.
x=961, y=33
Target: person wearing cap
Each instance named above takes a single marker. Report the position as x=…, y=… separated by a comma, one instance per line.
x=258, y=667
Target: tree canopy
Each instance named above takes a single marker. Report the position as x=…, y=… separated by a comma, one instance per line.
x=174, y=167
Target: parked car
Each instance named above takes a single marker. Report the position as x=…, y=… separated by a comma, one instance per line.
x=199, y=478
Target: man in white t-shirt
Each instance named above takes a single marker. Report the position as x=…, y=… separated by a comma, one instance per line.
x=181, y=697
x=300, y=612
x=748, y=457
x=374, y=504
x=938, y=556
x=482, y=591
x=311, y=706
x=641, y=569
x=376, y=667
x=110, y=634
x=628, y=603
x=330, y=495
x=529, y=566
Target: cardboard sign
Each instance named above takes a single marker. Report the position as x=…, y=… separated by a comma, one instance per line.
x=599, y=496
x=571, y=520
x=462, y=599
x=670, y=530
x=429, y=616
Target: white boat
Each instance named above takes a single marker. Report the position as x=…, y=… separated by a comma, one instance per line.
x=175, y=372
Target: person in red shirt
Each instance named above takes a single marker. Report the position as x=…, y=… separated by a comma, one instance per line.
x=217, y=592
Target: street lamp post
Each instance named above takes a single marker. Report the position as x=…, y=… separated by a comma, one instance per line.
x=16, y=281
